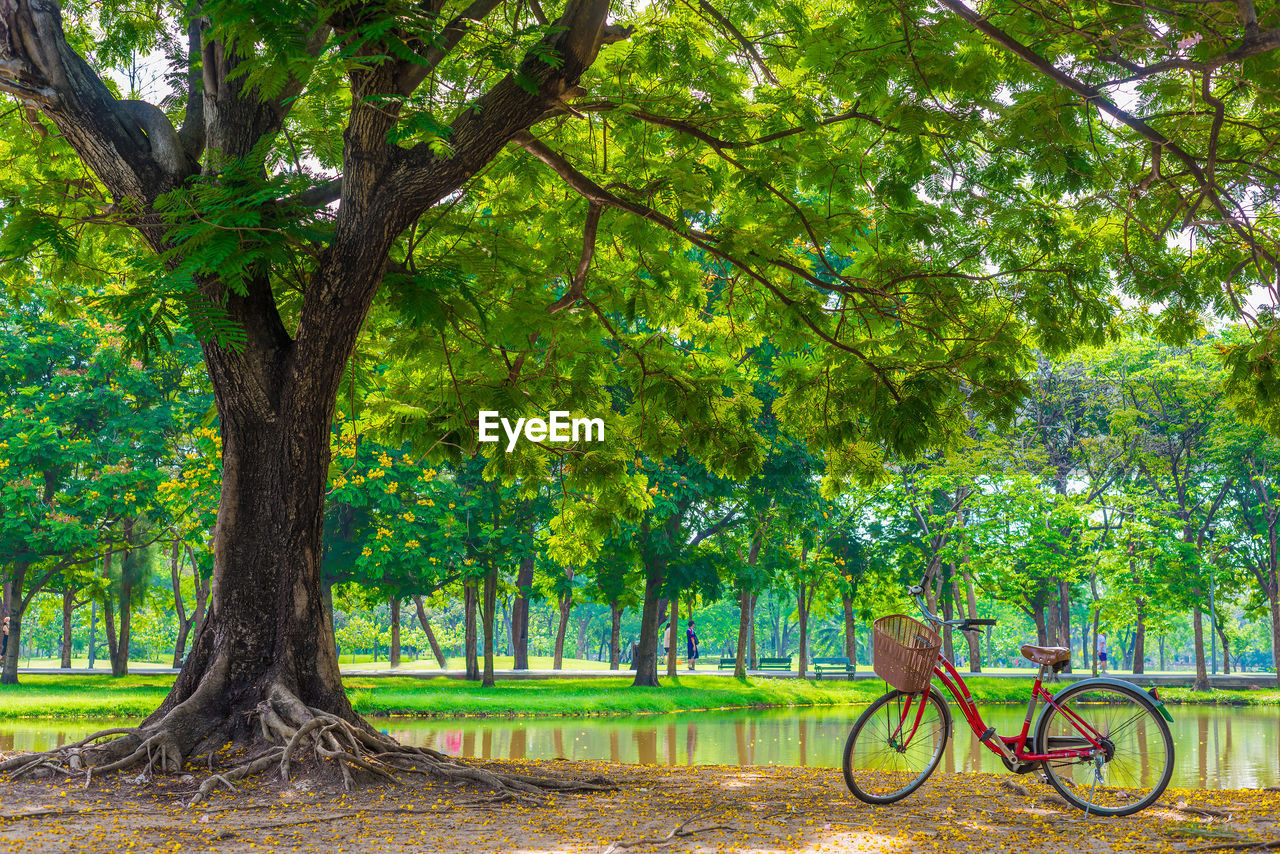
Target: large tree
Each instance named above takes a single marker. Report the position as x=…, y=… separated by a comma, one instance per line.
x=277, y=359
x=898, y=217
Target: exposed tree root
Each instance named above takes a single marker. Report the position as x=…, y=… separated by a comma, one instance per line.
x=291, y=734
x=678, y=834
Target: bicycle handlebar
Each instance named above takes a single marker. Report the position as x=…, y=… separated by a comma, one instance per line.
x=964, y=625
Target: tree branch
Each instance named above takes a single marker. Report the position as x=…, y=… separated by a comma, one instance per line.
x=1252, y=45
x=317, y=197
x=191, y=134
x=412, y=74
x=584, y=263
x=124, y=143
x=422, y=176
x=1266, y=42
x=698, y=133
x=745, y=43
x=592, y=191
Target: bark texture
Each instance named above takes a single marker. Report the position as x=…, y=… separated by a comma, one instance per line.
x=425, y=622
x=68, y=620
x=469, y=640
x=1202, y=670
x=520, y=614
x=488, y=608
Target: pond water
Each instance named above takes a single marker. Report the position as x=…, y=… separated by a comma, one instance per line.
x=1217, y=747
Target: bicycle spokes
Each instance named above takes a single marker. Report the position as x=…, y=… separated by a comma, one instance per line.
x=1123, y=750
x=895, y=746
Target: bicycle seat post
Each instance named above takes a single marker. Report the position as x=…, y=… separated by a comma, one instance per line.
x=1031, y=703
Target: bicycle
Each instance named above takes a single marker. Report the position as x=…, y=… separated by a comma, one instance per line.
x=1102, y=743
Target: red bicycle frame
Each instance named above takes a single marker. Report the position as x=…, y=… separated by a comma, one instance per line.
x=1012, y=748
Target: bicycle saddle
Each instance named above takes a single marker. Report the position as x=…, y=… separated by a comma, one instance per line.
x=1046, y=655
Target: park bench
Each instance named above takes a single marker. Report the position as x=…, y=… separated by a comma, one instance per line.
x=727, y=663
x=838, y=666
x=774, y=664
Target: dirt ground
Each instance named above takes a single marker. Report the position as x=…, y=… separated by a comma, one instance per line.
x=655, y=808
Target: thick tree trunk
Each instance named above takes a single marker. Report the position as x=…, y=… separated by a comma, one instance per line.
x=1140, y=639
x=1037, y=613
x=646, y=654
x=744, y=632
x=431, y=636
x=132, y=572
x=615, y=630
x=1051, y=629
x=488, y=607
x=583, y=624
x=1202, y=671
x=266, y=636
x=469, y=633
x=1220, y=626
x=850, y=630
x=393, y=654
x=68, y=620
x=746, y=612
x=520, y=614
x=655, y=576
x=9, y=676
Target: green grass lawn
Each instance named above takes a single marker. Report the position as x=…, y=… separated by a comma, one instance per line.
x=97, y=696
x=138, y=695
x=102, y=663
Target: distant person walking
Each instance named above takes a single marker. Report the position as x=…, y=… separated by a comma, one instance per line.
x=666, y=639
x=691, y=641
x=1102, y=652
x=4, y=644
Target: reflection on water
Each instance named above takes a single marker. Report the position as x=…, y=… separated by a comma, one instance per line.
x=1217, y=747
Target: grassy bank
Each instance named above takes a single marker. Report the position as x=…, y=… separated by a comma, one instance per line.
x=135, y=696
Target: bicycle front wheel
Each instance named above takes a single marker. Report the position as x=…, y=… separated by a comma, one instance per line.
x=895, y=745
x=1135, y=762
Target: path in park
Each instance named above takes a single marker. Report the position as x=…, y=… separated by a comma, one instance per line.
x=701, y=809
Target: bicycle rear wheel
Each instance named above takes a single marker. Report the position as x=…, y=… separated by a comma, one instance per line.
x=1136, y=762
x=895, y=745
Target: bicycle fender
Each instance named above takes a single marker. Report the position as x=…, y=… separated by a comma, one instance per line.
x=1164, y=713
x=1108, y=680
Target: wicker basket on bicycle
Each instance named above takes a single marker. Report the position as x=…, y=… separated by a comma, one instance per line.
x=905, y=651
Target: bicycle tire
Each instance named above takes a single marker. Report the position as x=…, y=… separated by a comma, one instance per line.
x=877, y=724
x=1136, y=731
